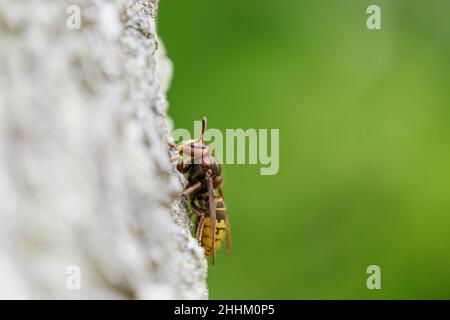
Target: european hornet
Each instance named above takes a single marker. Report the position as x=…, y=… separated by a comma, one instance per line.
x=204, y=192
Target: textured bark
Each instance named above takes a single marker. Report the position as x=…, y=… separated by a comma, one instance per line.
x=85, y=177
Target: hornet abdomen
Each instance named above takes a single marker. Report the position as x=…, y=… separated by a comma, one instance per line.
x=221, y=227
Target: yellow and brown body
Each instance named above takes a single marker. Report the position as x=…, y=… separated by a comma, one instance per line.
x=221, y=227
x=203, y=173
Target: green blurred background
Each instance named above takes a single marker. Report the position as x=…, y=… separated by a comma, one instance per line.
x=364, y=119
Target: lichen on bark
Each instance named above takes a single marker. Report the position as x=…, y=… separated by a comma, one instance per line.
x=85, y=174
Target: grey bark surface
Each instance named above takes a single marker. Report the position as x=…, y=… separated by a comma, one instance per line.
x=85, y=176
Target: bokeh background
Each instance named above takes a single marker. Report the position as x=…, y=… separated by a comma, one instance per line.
x=364, y=119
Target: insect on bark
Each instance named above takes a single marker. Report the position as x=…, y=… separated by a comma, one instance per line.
x=203, y=172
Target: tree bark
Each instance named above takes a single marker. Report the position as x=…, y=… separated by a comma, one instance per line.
x=85, y=176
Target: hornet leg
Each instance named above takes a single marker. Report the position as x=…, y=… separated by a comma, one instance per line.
x=191, y=189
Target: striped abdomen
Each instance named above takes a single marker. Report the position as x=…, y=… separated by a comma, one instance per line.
x=221, y=226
